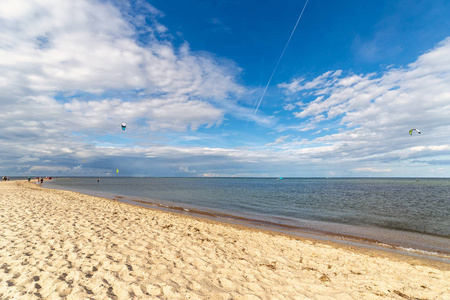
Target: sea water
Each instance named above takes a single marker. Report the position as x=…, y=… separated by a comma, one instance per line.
x=402, y=213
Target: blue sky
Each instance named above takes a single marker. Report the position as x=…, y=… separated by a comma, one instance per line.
x=187, y=76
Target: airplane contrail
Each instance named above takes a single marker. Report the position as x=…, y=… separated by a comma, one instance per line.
x=281, y=56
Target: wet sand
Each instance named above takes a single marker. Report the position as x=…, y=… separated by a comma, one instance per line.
x=60, y=244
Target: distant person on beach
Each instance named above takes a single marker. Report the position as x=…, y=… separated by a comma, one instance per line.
x=29, y=178
x=42, y=180
x=98, y=180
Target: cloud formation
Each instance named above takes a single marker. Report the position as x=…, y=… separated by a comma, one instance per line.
x=52, y=47
x=374, y=112
x=72, y=71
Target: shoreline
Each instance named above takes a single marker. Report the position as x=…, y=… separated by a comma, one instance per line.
x=59, y=243
x=296, y=231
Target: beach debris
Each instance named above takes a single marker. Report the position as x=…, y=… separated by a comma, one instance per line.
x=404, y=295
x=124, y=125
x=271, y=265
x=411, y=131
x=309, y=269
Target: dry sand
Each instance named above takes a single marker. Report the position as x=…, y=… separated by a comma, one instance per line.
x=59, y=244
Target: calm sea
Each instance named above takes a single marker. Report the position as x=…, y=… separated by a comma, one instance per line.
x=408, y=214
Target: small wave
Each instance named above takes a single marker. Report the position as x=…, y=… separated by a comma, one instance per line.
x=424, y=252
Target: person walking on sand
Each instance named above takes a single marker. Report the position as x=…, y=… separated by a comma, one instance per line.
x=42, y=180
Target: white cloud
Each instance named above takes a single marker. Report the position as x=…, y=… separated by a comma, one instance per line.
x=54, y=46
x=165, y=113
x=72, y=71
x=398, y=96
x=373, y=113
x=405, y=96
x=55, y=54
x=289, y=107
x=184, y=169
x=278, y=141
x=322, y=81
x=372, y=170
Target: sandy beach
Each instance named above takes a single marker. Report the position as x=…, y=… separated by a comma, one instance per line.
x=59, y=244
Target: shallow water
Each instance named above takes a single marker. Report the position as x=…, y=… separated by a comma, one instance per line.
x=400, y=212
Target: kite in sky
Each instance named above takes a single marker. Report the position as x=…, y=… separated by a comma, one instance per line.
x=124, y=125
x=411, y=131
